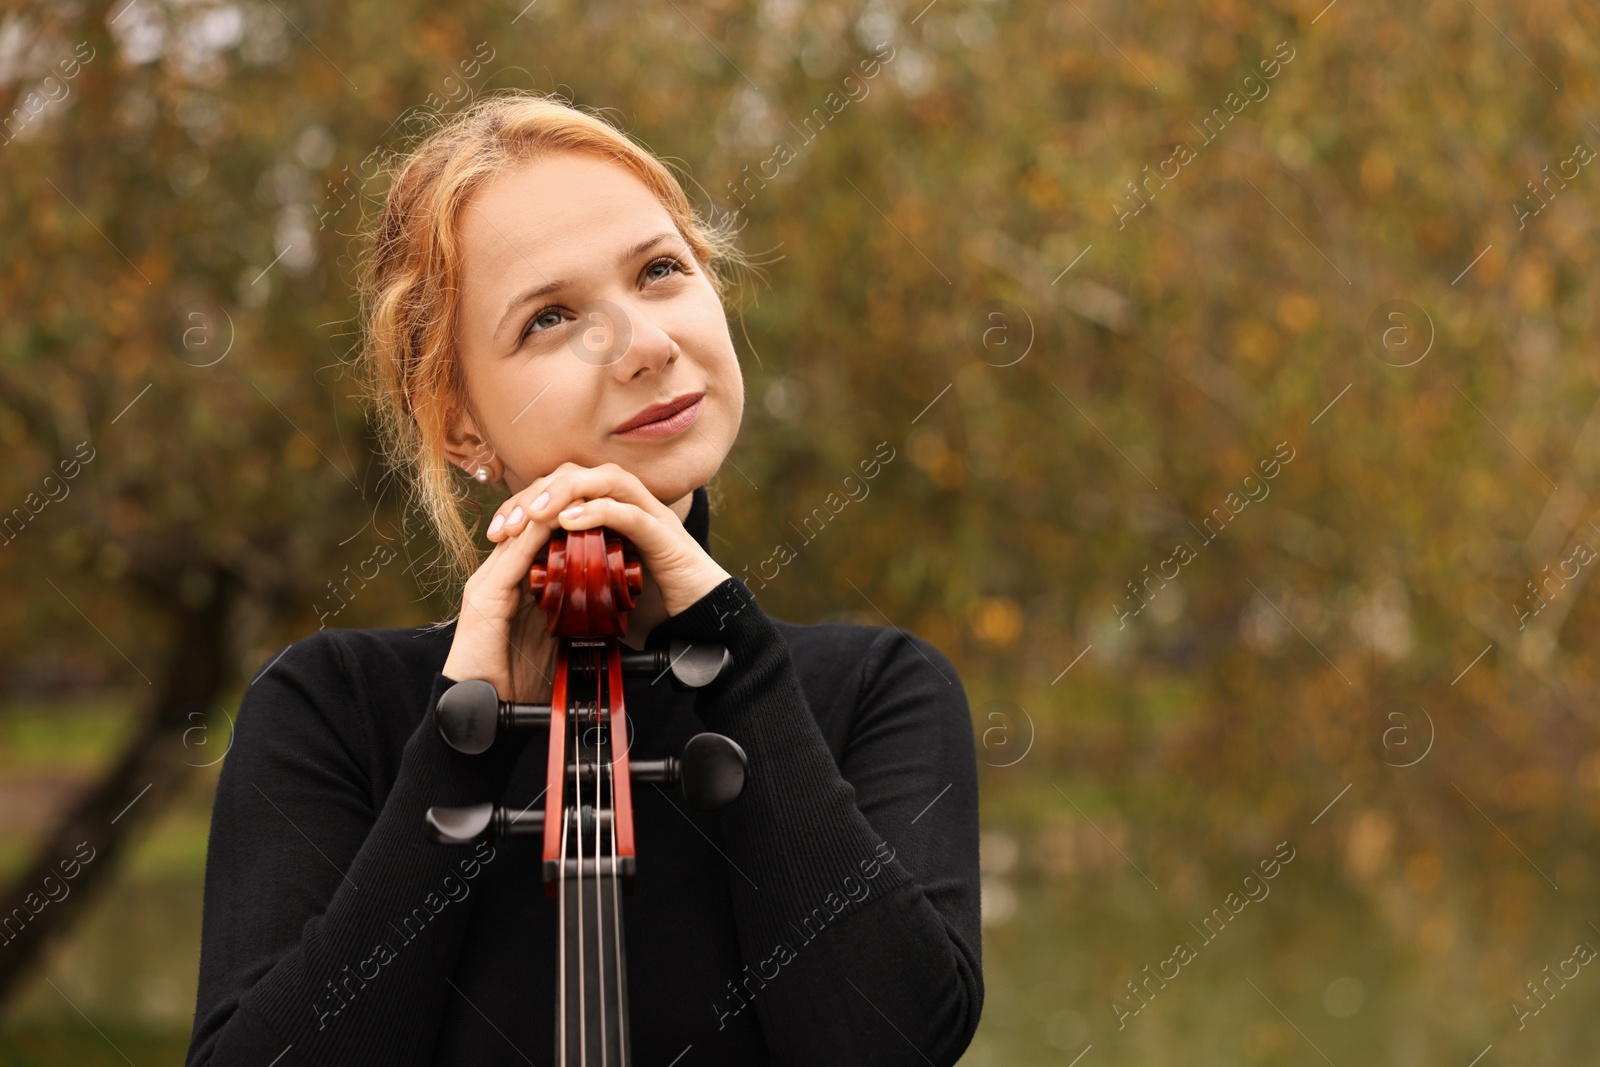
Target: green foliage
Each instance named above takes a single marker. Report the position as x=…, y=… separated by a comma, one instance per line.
x=986, y=166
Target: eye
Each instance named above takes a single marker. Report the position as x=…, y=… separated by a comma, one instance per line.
x=546, y=319
x=672, y=264
x=554, y=315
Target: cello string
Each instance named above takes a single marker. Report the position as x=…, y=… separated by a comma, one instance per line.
x=583, y=944
x=561, y=1023
x=598, y=751
x=616, y=907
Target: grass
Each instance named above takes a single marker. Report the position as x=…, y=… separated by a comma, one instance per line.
x=69, y=735
x=37, y=1045
x=64, y=744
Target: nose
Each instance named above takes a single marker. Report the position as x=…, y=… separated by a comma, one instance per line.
x=642, y=342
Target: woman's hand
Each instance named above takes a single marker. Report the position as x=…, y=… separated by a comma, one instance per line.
x=498, y=637
x=580, y=498
x=501, y=635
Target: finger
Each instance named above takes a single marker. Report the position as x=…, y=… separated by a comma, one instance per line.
x=520, y=550
x=508, y=520
x=507, y=565
x=567, y=487
x=518, y=508
x=653, y=539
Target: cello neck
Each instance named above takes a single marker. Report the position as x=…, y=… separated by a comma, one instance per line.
x=586, y=584
x=595, y=859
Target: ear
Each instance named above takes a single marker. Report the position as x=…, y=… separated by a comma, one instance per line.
x=466, y=447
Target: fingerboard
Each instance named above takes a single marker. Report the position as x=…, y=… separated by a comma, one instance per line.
x=592, y=973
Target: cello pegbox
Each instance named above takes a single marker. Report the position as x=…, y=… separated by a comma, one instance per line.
x=587, y=582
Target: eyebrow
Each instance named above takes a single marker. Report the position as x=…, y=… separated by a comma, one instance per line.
x=527, y=296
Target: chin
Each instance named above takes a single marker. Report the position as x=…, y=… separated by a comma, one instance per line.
x=672, y=476
x=692, y=459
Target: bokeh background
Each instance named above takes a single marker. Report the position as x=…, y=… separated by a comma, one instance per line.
x=1238, y=363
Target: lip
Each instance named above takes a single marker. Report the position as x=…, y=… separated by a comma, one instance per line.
x=665, y=419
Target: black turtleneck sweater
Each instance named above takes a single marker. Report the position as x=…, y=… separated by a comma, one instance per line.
x=828, y=916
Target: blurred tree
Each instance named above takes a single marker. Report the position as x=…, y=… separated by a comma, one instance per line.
x=169, y=292
x=194, y=192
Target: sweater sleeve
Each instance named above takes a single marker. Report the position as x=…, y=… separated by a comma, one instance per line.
x=855, y=883
x=328, y=917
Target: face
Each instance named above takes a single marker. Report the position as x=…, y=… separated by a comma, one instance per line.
x=582, y=306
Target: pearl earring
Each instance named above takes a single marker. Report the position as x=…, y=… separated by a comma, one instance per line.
x=483, y=475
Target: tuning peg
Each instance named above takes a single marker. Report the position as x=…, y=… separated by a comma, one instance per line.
x=471, y=713
x=691, y=666
x=711, y=771
x=714, y=769
x=460, y=826
x=481, y=822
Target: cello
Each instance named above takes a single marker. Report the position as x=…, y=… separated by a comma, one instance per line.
x=586, y=581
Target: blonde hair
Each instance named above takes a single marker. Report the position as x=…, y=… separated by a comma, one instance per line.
x=409, y=277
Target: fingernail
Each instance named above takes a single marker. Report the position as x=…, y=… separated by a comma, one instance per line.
x=499, y=521
x=544, y=498
x=516, y=515
x=573, y=512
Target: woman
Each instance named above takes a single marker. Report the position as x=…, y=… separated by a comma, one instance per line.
x=542, y=314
